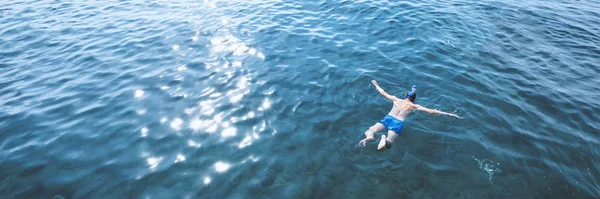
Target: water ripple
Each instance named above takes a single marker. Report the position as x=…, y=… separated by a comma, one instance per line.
x=267, y=98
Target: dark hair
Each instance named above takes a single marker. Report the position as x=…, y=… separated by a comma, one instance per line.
x=412, y=96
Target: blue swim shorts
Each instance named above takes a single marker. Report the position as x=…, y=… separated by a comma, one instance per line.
x=392, y=123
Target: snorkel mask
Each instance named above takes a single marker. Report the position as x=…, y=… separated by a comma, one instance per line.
x=412, y=95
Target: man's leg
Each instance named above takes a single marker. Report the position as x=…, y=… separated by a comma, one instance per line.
x=387, y=141
x=369, y=133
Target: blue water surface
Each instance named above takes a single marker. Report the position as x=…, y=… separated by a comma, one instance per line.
x=269, y=98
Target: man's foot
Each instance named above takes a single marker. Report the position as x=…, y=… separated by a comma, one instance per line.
x=364, y=141
x=381, y=143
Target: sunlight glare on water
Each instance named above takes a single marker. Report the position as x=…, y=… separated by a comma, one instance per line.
x=206, y=180
x=222, y=167
x=176, y=124
x=139, y=93
x=153, y=162
x=197, y=124
x=180, y=158
x=269, y=99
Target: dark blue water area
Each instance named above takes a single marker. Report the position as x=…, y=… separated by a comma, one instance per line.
x=269, y=99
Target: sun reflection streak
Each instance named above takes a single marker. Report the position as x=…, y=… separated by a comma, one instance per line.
x=260, y=56
x=244, y=143
x=244, y=82
x=196, y=124
x=207, y=107
x=236, y=98
x=206, y=180
x=212, y=128
x=250, y=158
x=228, y=132
x=180, y=158
x=214, y=95
x=231, y=44
x=182, y=68
x=263, y=126
x=144, y=132
x=208, y=115
x=266, y=105
x=138, y=93
x=141, y=111
x=209, y=110
x=269, y=92
x=254, y=159
x=176, y=124
x=194, y=144
x=222, y=167
x=236, y=64
x=189, y=111
x=153, y=162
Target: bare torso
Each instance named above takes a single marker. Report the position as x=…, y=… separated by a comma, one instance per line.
x=401, y=109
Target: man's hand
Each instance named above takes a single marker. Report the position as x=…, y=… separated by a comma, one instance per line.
x=433, y=111
x=374, y=82
x=454, y=115
x=382, y=92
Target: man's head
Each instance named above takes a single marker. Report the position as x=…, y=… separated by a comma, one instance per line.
x=412, y=95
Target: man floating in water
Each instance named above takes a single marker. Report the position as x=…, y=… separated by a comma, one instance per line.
x=394, y=120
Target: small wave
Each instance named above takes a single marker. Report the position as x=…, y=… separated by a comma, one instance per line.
x=488, y=166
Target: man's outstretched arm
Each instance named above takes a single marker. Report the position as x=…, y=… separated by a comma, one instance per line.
x=433, y=111
x=382, y=92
